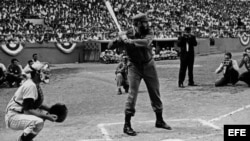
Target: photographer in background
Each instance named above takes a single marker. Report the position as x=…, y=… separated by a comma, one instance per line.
x=230, y=69
x=186, y=42
x=245, y=77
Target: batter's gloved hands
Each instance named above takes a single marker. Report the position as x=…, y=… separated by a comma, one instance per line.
x=122, y=36
x=60, y=110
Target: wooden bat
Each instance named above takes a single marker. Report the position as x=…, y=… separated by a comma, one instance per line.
x=110, y=9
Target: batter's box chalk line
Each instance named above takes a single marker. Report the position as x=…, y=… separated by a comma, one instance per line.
x=106, y=135
x=209, y=123
x=229, y=114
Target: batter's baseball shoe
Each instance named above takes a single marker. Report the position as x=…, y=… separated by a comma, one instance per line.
x=162, y=124
x=128, y=130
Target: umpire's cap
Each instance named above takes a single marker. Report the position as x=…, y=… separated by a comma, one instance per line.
x=140, y=17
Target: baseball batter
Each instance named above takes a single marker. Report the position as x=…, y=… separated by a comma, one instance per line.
x=141, y=65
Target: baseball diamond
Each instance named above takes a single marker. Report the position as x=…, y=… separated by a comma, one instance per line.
x=95, y=112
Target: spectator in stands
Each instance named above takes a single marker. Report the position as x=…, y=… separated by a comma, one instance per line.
x=14, y=73
x=230, y=69
x=168, y=17
x=32, y=39
x=3, y=72
x=53, y=39
x=245, y=77
x=121, y=75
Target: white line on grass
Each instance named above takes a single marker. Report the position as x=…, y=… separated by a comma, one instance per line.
x=205, y=136
x=209, y=124
x=172, y=140
x=104, y=132
x=92, y=140
x=107, y=136
x=197, y=137
x=229, y=114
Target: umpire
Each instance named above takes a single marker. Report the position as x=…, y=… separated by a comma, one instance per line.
x=141, y=65
x=186, y=42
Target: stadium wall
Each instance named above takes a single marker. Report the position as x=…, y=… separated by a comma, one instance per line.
x=203, y=46
x=89, y=51
x=47, y=52
x=230, y=44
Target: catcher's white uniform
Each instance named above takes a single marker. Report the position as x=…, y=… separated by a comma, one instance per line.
x=15, y=118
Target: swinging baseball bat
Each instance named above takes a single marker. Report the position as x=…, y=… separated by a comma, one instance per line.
x=110, y=9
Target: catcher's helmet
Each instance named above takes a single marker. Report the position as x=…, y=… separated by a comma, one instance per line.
x=60, y=110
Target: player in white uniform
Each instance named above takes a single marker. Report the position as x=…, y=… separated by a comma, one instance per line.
x=25, y=110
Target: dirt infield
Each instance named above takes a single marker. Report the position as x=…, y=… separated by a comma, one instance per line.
x=96, y=112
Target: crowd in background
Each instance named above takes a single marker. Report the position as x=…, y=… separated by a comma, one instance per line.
x=79, y=20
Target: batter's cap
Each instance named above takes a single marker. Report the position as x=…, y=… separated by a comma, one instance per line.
x=140, y=17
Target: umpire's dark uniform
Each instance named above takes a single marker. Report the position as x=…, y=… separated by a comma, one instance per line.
x=186, y=42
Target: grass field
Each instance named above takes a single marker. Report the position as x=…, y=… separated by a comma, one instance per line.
x=96, y=113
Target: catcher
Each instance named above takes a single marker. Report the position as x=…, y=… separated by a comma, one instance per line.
x=26, y=111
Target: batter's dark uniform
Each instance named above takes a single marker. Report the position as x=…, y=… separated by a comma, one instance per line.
x=141, y=65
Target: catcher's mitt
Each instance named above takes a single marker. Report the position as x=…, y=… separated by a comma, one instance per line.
x=60, y=110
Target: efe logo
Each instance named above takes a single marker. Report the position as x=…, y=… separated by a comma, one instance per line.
x=236, y=132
